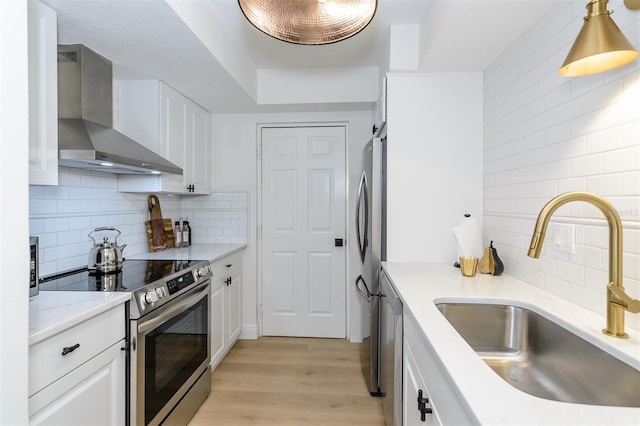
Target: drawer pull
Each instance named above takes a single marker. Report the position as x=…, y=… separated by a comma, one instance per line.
x=229, y=265
x=422, y=406
x=70, y=349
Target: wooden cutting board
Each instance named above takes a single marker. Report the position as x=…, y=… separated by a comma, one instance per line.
x=159, y=231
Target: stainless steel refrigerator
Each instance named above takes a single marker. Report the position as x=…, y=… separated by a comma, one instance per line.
x=371, y=230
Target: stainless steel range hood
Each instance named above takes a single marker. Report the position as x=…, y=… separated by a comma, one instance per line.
x=86, y=138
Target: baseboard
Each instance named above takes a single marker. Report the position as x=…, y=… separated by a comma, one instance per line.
x=249, y=332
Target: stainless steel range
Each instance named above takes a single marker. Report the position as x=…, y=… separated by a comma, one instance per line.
x=168, y=336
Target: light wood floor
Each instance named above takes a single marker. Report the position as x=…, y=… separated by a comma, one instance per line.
x=290, y=381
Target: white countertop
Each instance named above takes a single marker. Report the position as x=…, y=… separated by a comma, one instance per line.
x=210, y=252
x=491, y=399
x=51, y=312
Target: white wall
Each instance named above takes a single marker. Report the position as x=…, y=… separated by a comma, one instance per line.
x=434, y=162
x=235, y=169
x=14, y=263
x=545, y=135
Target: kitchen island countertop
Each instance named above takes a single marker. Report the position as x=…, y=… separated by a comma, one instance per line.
x=488, y=398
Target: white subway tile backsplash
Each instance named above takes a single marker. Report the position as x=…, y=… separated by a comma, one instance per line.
x=586, y=166
x=631, y=266
x=622, y=160
x=55, y=193
x=631, y=183
x=68, y=206
x=588, y=123
x=587, y=84
x=571, y=148
x=63, y=216
x=572, y=109
x=604, y=140
x=603, y=95
x=622, y=112
x=605, y=185
x=586, y=138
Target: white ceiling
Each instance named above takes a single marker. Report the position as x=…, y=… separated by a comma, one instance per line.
x=217, y=67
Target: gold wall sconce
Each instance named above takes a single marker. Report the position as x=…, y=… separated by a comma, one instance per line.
x=309, y=21
x=600, y=45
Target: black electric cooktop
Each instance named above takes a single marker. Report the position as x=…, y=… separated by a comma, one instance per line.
x=134, y=275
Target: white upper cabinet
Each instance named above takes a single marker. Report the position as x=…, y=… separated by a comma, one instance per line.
x=168, y=123
x=43, y=94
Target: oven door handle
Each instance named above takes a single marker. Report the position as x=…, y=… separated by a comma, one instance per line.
x=176, y=309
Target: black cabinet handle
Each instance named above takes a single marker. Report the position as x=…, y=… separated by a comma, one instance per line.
x=229, y=265
x=422, y=406
x=70, y=349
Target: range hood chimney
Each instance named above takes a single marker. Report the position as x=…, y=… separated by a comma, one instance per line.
x=86, y=138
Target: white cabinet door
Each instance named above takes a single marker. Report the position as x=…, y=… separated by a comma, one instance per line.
x=43, y=94
x=414, y=387
x=421, y=372
x=233, y=305
x=198, y=149
x=226, y=305
x=218, y=338
x=174, y=127
x=92, y=394
x=173, y=136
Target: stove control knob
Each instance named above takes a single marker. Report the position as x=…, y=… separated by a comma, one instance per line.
x=160, y=292
x=151, y=297
x=203, y=272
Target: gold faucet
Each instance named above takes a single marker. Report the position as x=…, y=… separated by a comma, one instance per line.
x=617, y=300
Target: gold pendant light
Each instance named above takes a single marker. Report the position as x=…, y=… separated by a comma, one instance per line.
x=600, y=45
x=309, y=21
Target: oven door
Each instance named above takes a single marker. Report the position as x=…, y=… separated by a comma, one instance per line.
x=170, y=351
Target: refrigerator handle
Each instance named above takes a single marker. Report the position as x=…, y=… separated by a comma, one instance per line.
x=362, y=239
x=365, y=293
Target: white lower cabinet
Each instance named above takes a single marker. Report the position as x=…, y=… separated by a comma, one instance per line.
x=226, y=305
x=218, y=340
x=417, y=408
x=77, y=377
x=92, y=394
x=421, y=372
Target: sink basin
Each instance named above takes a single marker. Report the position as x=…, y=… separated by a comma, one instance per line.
x=542, y=358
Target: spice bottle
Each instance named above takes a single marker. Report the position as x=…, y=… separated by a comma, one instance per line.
x=178, y=234
x=186, y=233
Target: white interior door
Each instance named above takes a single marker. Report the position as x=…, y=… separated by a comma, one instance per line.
x=303, y=213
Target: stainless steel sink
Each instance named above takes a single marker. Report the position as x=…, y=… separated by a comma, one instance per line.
x=541, y=358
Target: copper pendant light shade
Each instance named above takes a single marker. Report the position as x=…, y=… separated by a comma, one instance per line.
x=600, y=45
x=309, y=21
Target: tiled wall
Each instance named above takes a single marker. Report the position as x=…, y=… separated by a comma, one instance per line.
x=62, y=216
x=219, y=218
x=545, y=135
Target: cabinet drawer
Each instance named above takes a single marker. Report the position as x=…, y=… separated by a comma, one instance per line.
x=229, y=266
x=46, y=362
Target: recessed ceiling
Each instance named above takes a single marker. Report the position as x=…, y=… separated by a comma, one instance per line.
x=146, y=39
